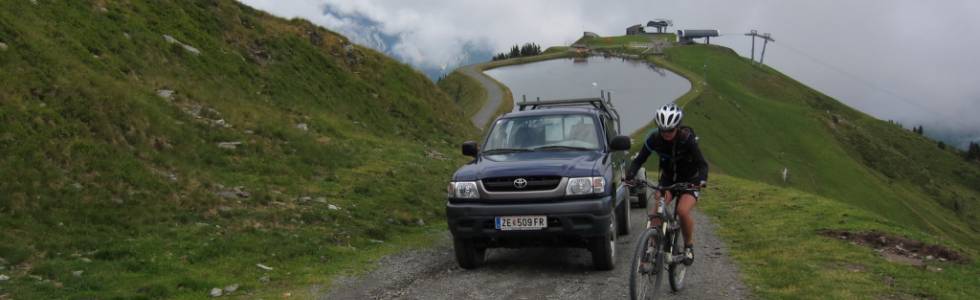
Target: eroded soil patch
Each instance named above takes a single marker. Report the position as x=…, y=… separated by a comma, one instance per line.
x=898, y=249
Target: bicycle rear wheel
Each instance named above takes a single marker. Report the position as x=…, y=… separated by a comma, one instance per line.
x=677, y=270
x=646, y=270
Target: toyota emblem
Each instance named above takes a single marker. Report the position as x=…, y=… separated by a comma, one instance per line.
x=520, y=183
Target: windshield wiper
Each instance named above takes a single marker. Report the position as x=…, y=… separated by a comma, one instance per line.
x=571, y=148
x=506, y=150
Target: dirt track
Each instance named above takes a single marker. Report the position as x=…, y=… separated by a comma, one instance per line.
x=494, y=95
x=539, y=273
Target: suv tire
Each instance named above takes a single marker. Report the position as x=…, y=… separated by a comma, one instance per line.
x=604, y=247
x=623, y=219
x=468, y=255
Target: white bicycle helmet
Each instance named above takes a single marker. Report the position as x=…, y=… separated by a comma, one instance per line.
x=669, y=116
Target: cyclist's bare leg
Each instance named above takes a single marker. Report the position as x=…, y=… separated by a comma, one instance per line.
x=687, y=222
x=656, y=203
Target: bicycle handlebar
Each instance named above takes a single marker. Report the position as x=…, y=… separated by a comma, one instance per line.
x=683, y=186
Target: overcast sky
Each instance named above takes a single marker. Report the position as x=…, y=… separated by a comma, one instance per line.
x=912, y=61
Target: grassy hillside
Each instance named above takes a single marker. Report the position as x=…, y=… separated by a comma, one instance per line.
x=160, y=149
x=466, y=92
x=619, y=41
x=772, y=232
x=754, y=122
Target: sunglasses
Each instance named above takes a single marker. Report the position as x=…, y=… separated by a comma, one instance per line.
x=672, y=130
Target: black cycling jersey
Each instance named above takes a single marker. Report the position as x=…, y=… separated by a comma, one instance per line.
x=680, y=160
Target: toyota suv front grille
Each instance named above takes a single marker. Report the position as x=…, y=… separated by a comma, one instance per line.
x=521, y=183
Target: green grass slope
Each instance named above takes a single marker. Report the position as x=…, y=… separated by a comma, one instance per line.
x=772, y=233
x=340, y=152
x=620, y=41
x=755, y=121
x=466, y=92
x=847, y=170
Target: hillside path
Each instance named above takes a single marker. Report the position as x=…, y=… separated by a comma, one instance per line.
x=538, y=273
x=494, y=94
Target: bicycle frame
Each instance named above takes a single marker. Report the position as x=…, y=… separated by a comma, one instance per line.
x=668, y=225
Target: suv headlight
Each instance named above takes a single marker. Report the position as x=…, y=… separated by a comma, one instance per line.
x=463, y=190
x=585, y=185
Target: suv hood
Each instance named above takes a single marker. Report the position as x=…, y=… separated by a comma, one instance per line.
x=538, y=163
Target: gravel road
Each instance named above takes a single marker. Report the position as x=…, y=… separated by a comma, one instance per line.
x=494, y=94
x=538, y=273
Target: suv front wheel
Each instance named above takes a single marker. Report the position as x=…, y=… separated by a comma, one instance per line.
x=468, y=255
x=624, y=217
x=604, y=247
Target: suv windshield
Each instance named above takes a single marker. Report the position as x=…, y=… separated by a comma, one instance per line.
x=548, y=132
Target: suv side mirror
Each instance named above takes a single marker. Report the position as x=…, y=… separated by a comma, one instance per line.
x=620, y=143
x=470, y=148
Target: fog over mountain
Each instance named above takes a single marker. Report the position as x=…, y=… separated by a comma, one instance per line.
x=904, y=60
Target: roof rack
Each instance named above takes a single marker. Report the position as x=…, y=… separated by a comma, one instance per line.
x=604, y=103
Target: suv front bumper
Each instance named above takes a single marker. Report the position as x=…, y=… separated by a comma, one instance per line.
x=570, y=223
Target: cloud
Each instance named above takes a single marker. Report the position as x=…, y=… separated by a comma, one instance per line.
x=438, y=34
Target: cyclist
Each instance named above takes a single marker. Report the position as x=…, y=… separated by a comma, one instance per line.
x=680, y=161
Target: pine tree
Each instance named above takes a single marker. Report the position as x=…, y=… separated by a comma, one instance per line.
x=527, y=49
x=973, y=152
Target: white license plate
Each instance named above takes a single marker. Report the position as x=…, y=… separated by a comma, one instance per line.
x=521, y=222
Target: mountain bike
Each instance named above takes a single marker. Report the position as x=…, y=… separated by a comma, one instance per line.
x=659, y=248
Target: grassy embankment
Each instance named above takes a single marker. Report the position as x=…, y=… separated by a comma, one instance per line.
x=624, y=40
x=466, y=92
x=754, y=121
x=772, y=233
x=343, y=152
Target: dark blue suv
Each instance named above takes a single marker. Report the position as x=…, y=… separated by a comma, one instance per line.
x=549, y=174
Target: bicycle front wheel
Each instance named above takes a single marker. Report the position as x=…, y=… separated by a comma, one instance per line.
x=646, y=270
x=677, y=270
